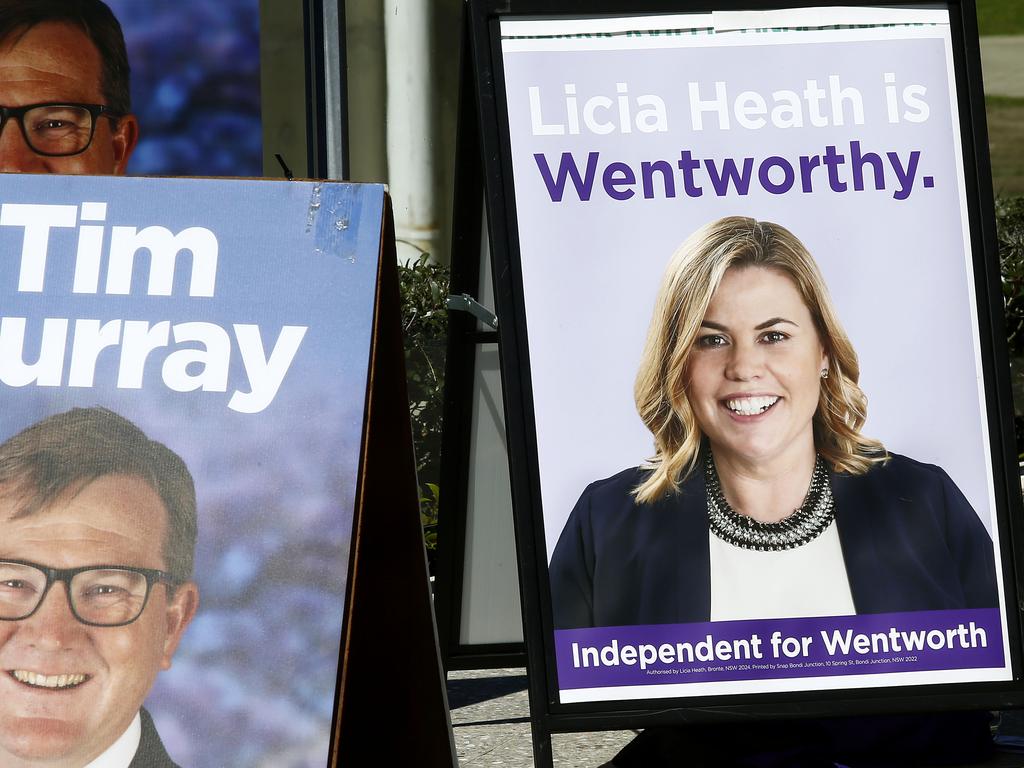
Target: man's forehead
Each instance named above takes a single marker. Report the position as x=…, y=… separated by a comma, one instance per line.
x=50, y=58
x=112, y=489
x=114, y=518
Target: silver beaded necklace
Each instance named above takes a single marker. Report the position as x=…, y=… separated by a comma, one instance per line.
x=805, y=524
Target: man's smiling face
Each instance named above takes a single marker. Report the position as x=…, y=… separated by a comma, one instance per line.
x=69, y=690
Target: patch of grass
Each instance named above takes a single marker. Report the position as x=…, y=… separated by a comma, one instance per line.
x=1006, y=143
x=994, y=101
x=1000, y=17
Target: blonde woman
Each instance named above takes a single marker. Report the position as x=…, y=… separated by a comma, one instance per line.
x=763, y=499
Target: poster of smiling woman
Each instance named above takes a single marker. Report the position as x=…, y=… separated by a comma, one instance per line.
x=752, y=287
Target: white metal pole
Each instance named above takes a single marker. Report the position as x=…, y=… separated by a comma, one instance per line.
x=411, y=125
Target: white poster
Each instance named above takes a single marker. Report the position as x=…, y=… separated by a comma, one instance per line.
x=839, y=128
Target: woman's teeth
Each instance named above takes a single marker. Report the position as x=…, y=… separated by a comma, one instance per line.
x=750, y=406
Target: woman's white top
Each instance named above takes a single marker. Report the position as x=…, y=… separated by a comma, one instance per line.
x=809, y=580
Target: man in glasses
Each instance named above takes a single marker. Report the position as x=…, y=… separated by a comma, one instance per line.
x=64, y=101
x=97, y=539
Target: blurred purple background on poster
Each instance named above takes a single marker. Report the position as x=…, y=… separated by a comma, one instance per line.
x=195, y=86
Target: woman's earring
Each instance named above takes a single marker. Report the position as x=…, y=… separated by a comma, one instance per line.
x=824, y=373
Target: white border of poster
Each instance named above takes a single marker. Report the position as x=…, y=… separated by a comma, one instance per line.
x=842, y=125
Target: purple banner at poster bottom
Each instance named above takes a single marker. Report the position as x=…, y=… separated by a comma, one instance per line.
x=778, y=648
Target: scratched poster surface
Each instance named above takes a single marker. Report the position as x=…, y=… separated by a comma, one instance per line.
x=842, y=125
x=231, y=321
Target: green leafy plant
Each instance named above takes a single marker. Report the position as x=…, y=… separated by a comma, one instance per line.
x=1010, y=235
x=430, y=503
x=424, y=288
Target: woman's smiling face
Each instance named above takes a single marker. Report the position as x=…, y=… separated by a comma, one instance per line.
x=754, y=371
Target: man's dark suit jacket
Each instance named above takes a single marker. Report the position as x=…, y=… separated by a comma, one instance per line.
x=910, y=541
x=151, y=752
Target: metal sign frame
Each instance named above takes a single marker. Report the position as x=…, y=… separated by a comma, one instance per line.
x=549, y=713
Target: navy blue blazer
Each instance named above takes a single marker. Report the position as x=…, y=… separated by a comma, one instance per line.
x=151, y=752
x=910, y=541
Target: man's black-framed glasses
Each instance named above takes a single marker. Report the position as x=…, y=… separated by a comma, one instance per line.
x=99, y=595
x=57, y=129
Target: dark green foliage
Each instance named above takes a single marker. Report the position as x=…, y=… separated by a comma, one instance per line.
x=424, y=288
x=1010, y=234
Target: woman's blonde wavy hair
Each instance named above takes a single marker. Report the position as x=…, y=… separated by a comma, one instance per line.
x=691, y=279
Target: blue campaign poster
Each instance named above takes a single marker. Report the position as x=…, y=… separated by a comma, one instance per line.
x=231, y=321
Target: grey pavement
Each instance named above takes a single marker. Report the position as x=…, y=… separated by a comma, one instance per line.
x=490, y=720
x=1002, y=65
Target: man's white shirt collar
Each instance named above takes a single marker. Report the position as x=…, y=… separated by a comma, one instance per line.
x=121, y=753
